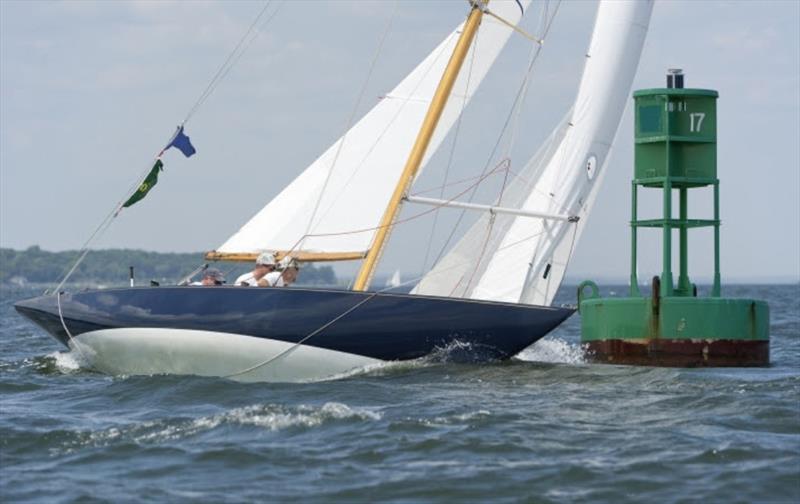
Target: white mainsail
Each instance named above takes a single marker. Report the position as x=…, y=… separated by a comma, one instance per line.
x=353, y=191
x=522, y=259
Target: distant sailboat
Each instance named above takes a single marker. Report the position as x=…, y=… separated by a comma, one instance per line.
x=394, y=281
x=492, y=291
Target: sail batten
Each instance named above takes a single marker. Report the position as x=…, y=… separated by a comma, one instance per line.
x=363, y=167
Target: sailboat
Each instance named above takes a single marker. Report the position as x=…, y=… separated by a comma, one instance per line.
x=394, y=281
x=493, y=291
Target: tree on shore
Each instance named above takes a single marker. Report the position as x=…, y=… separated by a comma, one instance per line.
x=111, y=266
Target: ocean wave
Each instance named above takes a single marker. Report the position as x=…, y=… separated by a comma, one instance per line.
x=554, y=350
x=462, y=418
x=272, y=417
x=454, y=352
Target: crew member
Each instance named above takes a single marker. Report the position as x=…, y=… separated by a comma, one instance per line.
x=265, y=263
x=289, y=268
x=211, y=276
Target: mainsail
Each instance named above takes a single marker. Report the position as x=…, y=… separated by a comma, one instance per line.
x=340, y=198
x=522, y=259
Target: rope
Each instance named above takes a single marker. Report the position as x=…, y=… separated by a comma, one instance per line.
x=445, y=186
x=451, y=155
x=353, y=308
x=234, y=56
x=514, y=27
x=517, y=102
x=515, y=114
x=229, y=62
x=65, y=274
x=395, y=223
x=64, y=325
x=102, y=228
x=400, y=110
x=306, y=338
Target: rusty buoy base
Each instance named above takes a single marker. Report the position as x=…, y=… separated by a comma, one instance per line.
x=679, y=353
x=676, y=331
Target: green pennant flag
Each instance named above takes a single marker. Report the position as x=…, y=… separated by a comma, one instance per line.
x=149, y=182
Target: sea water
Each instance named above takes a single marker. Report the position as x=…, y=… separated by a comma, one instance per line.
x=546, y=427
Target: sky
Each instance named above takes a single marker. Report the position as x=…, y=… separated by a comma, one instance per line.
x=91, y=91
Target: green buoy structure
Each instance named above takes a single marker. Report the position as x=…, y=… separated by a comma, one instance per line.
x=675, y=151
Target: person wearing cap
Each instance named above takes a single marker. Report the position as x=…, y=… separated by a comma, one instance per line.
x=289, y=268
x=265, y=263
x=211, y=276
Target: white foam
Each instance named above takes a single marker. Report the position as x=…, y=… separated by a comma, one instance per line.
x=275, y=418
x=67, y=362
x=270, y=416
x=463, y=417
x=381, y=368
x=554, y=350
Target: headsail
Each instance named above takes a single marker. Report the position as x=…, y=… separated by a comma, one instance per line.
x=523, y=259
x=371, y=158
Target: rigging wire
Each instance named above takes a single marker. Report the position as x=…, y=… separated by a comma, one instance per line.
x=521, y=92
x=391, y=224
x=453, y=146
x=400, y=110
x=483, y=175
x=101, y=229
x=511, y=117
x=515, y=113
x=352, y=117
x=230, y=61
x=326, y=325
x=233, y=57
x=445, y=186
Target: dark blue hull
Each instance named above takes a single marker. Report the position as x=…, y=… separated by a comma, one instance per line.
x=385, y=326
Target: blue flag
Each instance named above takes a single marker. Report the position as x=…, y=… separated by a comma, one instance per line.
x=182, y=143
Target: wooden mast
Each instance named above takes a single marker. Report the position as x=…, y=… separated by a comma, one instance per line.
x=421, y=144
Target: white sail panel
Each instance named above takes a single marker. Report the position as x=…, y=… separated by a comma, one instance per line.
x=372, y=155
x=456, y=274
x=521, y=259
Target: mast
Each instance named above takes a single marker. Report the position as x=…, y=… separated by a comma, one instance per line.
x=421, y=144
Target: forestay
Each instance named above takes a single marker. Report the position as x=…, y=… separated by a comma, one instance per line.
x=371, y=157
x=523, y=259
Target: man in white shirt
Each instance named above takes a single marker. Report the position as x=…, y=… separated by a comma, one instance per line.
x=284, y=278
x=265, y=263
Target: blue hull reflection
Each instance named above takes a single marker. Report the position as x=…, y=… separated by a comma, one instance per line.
x=385, y=326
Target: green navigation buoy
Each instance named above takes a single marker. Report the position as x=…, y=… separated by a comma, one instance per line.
x=675, y=149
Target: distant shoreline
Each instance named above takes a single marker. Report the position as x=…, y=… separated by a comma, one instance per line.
x=35, y=267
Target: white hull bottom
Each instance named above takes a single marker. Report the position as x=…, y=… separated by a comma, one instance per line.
x=150, y=351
